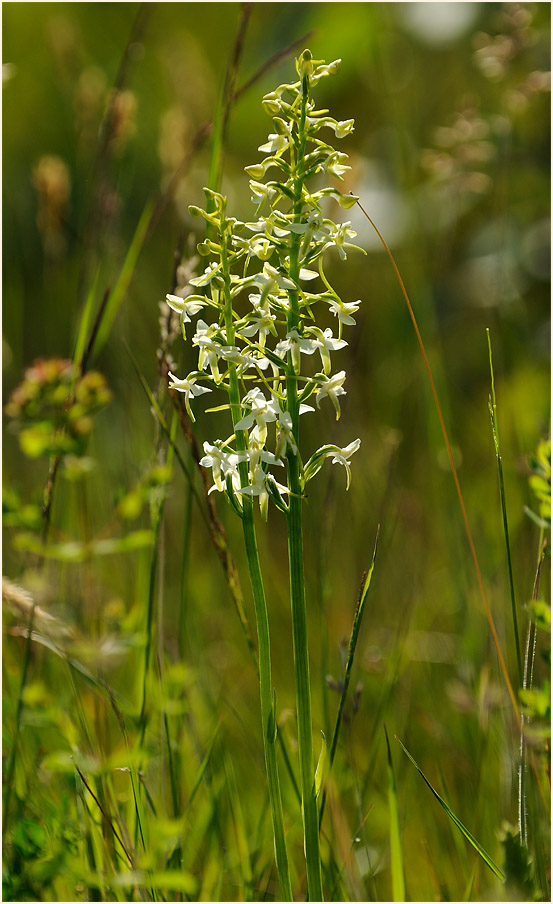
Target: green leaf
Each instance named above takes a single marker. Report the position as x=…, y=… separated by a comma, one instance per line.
x=84, y=324
x=540, y=613
x=396, y=851
x=118, y=292
x=537, y=700
x=321, y=766
x=517, y=862
x=470, y=838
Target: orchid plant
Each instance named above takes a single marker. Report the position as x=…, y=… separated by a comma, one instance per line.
x=259, y=340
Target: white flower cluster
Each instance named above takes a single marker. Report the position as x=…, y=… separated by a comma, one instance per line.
x=258, y=293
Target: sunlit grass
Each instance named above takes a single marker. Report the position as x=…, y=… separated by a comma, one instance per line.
x=133, y=751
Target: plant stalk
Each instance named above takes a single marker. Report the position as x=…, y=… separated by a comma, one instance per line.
x=268, y=715
x=295, y=556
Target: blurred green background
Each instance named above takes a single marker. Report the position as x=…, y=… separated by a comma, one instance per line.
x=451, y=159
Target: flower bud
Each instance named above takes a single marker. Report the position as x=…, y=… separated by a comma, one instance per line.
x=304, y=64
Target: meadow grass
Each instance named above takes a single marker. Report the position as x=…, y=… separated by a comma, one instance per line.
x=137, y=766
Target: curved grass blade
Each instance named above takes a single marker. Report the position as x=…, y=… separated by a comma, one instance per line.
x=463, y=829
x=460, y=496
x=396, y=850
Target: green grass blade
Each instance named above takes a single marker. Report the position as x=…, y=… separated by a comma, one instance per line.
x=358, y=617
x=470, y=884
x=495, y=432
x=396, y=850
x=117, y=294
x=463, y=829
x=240, y=829
x=84, y=326
x=10, y=770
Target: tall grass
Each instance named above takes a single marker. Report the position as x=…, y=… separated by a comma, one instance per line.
x=135, y=761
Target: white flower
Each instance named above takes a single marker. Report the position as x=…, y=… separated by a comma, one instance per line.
x=332, y=387
x=209, y=350
x=189, y=387
x=326, y=343
x=211, y=271
x=263, y=411
x=261, y=192
x=274, y=144
x=258, y=487
x=335, y=165
x=285, y=437
x=262, y=323
x=222, y=463
x=342, y=456
x=341, y=129
x=270, y=276
x=261, y=247
x=185, y=306
x=308, y=274
x=339, y=236
x=296, y=345
x=339, y=457
x=343, y=310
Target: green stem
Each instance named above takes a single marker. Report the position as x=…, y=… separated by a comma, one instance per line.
x=295, y=556
x=10, y=771
x=495, y=431
x=268, y=715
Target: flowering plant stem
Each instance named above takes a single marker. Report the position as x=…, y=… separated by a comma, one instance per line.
x=270, y=334
x=268, y=715
x=295, y=555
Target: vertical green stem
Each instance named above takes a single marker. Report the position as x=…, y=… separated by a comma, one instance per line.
x=295, y=555
x=495, y=431
x=268, y=715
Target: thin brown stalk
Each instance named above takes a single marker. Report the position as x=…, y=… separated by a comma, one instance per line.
x=273, y=61
x=232, y=71
x=204, y=131
x=216, y=529
x=468, y=531
x=93, y=333
x=103, y=151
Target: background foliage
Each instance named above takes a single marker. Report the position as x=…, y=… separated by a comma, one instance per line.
x=451, y=159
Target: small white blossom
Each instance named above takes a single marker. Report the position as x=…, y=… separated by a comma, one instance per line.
x=343, y=310
x=275, y=144
x=185, y=306
x=332, y=387
x=338, y=239
x=258, y=487
x=210, y=351
x=339, y=457
x=190, y=388
x=341, y=129
x=326, y=343
x=335, y=165
x=342, y=456
x=261, y=192
x=209, y=273
x=221, y=462
x=263, y=411
x=262, y=323
x=296, y=345
x=285, y=437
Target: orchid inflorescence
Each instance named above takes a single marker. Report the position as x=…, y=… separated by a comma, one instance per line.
x=255, y=351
